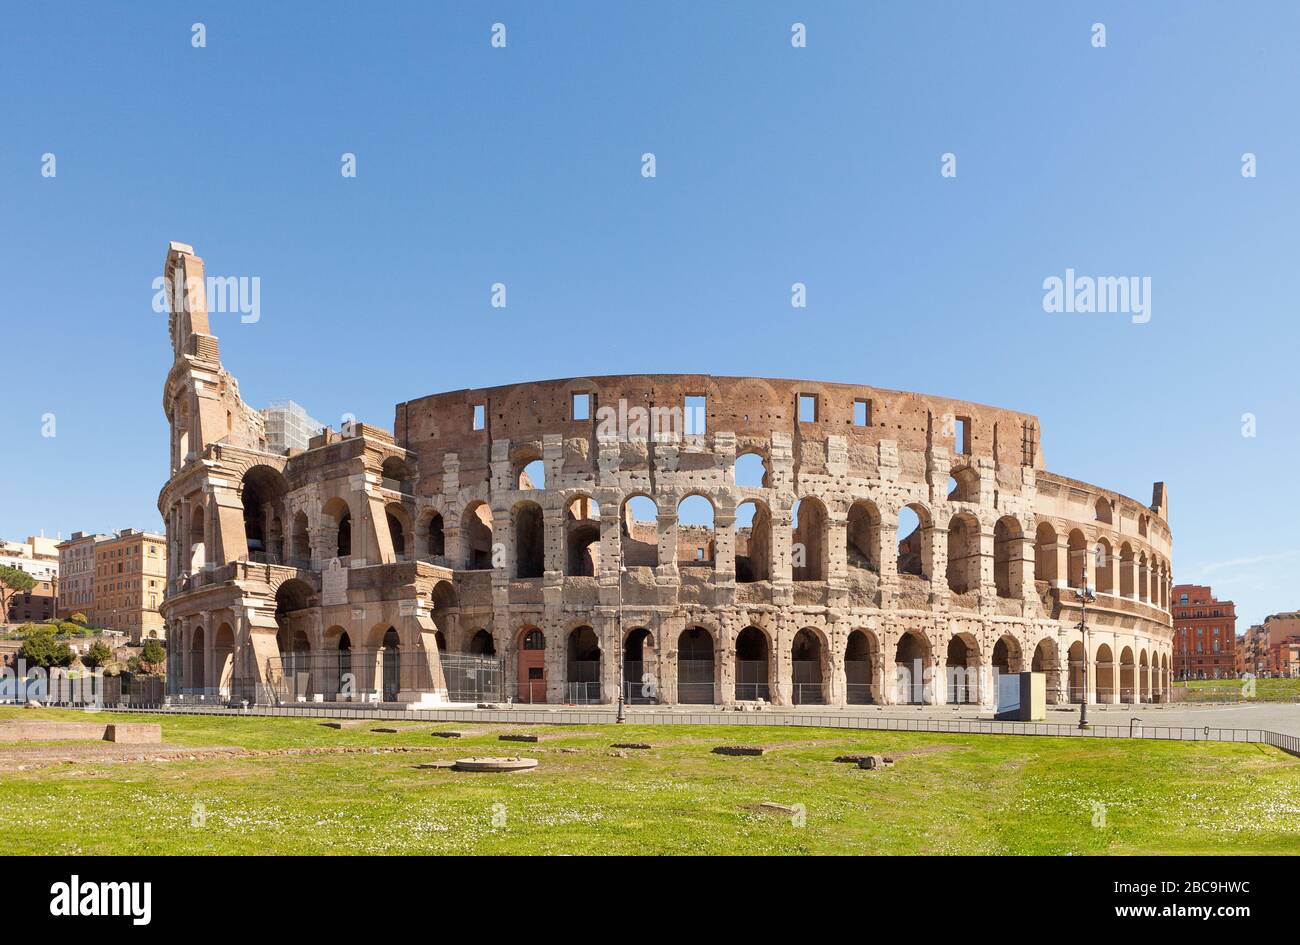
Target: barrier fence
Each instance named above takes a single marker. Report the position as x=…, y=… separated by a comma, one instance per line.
x=522, y=714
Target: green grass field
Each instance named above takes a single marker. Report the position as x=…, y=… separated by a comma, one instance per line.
x=1232, y=690
x=946, y=794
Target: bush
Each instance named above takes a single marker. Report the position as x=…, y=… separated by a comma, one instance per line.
x=98, y=654
x=153, y=655
x=42, y=648
x=80, y=618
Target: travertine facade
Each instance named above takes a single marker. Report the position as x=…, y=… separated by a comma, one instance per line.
x=371, y=552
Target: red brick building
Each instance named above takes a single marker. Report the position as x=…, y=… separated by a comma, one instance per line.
x=1205, y=633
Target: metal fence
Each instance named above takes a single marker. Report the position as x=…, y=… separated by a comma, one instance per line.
x=695, y=682
x=606, y=715
x=751, y=681
x=370, y=675
x=582, y=685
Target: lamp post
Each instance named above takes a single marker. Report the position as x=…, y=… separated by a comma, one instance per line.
x=1086, y=597
x=622, y=683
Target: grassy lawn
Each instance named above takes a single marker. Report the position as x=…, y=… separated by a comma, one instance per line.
x=1266, y=690
x=946, y=794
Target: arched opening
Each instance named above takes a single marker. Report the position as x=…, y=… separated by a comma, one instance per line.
x=336, y=517
x=751, y=471
x=583, y=680
x=293, y=619
x=1007, y=658
x=223, y=660
x=1078, y=558
x=197, y=680
x=1126, y=571
x=1144, y=678
x=445, y=608
x=198, y=552
x=391, y=666
x=301, y=540
x=914, y=541
x=262, y=492
x=963, y=553
x=532, y=665
x=695, y=667
x=1105, y=673
x=807, y=657
x=1045, y=556
x=911, y=660
x=582, y=537
x=532, y=475
x=482, y=644
x=346, y=683
x=1045, y=662
x=863, y=536
x=808, y=524
x=1101, y=511
x=695, y=541
x=398, y=530
x=858, y=657
x=639, y=532
x=962, y=670
x=639, y=684
x=398, y=474
x=476, y=536
x=530, y=540
x=1104, y=567
x=753, y=543
x=1144, y=578
x=435, y=539
x=1077, y=659
x=964, y=485
x=753, y=659
x=1127, y=682
x=1008, y=542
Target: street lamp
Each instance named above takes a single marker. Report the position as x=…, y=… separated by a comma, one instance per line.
x=1086, y=597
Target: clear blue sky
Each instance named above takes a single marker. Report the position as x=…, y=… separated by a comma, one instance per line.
x=775, y=165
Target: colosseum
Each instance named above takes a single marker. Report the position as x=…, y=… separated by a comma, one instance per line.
x=667, y=539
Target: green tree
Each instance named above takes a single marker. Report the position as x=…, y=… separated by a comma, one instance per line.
x=98, y=654
x=12, y=583
x=80, y=618
x=153, y=656
x=42, y=648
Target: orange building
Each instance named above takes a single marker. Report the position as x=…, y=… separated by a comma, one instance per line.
x=130, y=578
x=1205, y=634
x=1282, y=635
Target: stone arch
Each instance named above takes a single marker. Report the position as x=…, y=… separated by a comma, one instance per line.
x=431, y=534
x=1008, y=658
x=963, y=553
x=530, y=645
x=1077, y=659
x=1102, y=511
x=197, y=674
x=582, y=536
x=809, y=526
x=398, y=474
x=913, y=662
x=1104, y=682
x=696, y=667
x=1045, y=556
x=753, y=665
x=809, y=667
x=696, y=542
x=445, y=606
x=1046, y=661
x=1077, y=546
x=1126, y=566
x=863, y=535
x=753, y=541
x=198, y=546
x=750, y=470
x=1144, y=678
x=861, y=653
x=262, y=491
x=481, y=643
x=1104, y=566
x=336, y=519
x=639, y=682
x=639, y=530
x=530, y=539
x=1128, y=691
x=300, y=540
x=583, y=666
x=914, y=553
x=1008, y=545
x=961, y=669
x=400, y=531
x=223, y=660
x=964, y=485
x=476, y=536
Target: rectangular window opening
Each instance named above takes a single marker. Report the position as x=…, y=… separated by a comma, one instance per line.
x=807, y=408
x=961, y=434
x=581, y=406
x=693, y=415
x=862, y=413
x=480, y=416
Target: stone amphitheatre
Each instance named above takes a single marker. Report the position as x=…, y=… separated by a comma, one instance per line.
x=673, y=539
